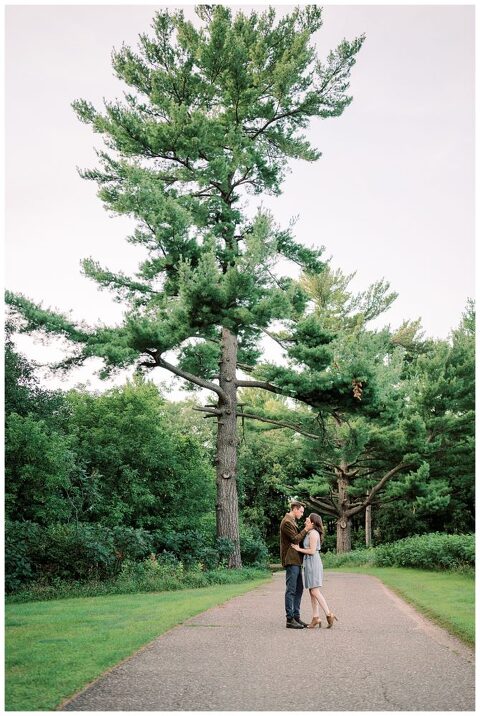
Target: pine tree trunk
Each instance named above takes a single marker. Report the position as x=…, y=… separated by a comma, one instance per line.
x=344, y=534
x=227, y=497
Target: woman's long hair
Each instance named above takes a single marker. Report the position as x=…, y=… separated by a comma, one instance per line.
x=317, y=524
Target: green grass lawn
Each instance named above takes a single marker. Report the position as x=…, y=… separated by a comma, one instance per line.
x=54, y=648
x=448, y=598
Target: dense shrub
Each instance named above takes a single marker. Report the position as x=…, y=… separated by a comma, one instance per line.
x=77, y=551
x=200, y=545
x=20, y=537
x=131, y=543
x=68, y=551
x=193, y=546
x=430, y=551
x=134, y=580
x=355, y=558
x=329, y=543
x=148, y=573
x=86, y=552
x=252, y=546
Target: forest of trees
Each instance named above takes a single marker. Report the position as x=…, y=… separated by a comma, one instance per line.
x=348, y=417
x=128, y=472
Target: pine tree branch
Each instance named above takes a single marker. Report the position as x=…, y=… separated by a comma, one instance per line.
x=212, y=412
x=330, y=509
x=246, y=368
x=274, y=338
x=259, y=384
x=329, y=465
x=279, y=424
x=378, y=487
x=148, y=364
x=277, y=118
x=162, y=363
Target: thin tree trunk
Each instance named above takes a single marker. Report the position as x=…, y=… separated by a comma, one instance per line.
x=344, y=523
x=227, y=498
x=368, y=525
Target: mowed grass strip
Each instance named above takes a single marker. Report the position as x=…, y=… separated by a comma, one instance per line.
x=55, y=648
x=447, y=598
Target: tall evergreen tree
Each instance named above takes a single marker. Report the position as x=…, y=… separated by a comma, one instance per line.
x=441, y=374
x=215, y=110
x=351, y=378
x=445, y=400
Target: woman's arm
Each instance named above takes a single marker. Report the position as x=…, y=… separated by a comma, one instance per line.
x=313, y=547
x=290, y=532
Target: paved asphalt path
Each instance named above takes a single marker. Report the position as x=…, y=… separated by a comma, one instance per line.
x=380, y=656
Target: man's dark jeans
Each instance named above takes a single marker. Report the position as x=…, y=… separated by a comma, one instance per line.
x=294, y=590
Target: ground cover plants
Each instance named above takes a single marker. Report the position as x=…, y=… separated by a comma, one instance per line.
x=54, y=648
x=151, y=575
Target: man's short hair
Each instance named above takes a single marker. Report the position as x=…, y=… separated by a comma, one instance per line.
x=296, y=503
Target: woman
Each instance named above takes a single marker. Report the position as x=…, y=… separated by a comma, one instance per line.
x=313, y=570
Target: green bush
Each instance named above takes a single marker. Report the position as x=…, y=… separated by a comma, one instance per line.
x=19, y=566
x=131, y=543
x=77, y=551
x=134, y=579
x=201, y=546
x=68, y=551
x=151, y=572
x=252, y=546
x=193, y=546
x=329, y=543
x=431, y=551
x=88, y=552
x=355, y=558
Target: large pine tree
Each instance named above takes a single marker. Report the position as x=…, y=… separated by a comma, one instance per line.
x=350, y=377
x=214, y=111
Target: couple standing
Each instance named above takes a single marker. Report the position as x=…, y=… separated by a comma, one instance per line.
x=292, y=556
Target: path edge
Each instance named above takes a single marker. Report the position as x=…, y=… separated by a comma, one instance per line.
x=68, y=699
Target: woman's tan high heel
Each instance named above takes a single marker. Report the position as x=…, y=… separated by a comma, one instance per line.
x=315, y=622
x=330, y=619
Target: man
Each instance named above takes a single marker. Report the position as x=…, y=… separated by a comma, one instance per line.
x=292, y=561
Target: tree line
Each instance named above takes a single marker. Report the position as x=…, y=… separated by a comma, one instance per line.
x=212, y=114
x=132, y=459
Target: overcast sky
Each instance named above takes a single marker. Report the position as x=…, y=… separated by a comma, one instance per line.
x=392, y=196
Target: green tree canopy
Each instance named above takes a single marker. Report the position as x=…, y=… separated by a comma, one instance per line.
x=442, y=373
x=149, y=471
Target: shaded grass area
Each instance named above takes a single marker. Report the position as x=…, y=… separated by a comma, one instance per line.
x=55, y=648
x=447, y=598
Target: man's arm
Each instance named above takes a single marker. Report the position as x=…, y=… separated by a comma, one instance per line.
x=313, y=546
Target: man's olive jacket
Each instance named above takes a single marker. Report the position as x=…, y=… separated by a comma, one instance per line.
x=289, y=533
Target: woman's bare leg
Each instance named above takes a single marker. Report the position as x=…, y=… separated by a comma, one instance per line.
x=318, y=596
x=315, y=607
